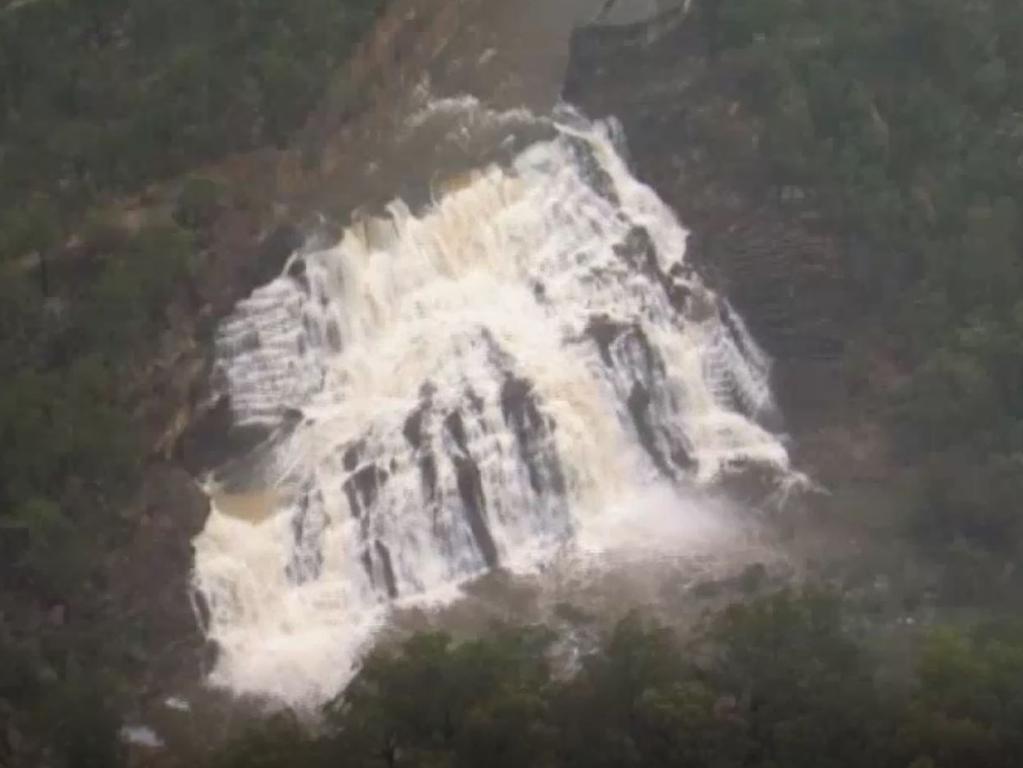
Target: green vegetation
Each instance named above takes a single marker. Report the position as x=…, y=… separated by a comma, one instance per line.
x=903, y=120
x=67, y=722
x=68, y=444
x=780, y=681
x=99, y=98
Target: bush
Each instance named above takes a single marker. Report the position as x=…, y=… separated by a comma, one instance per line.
x=122, y=311
x=778, y=681
x=105, y=97
x=198, y=203
x=903, y=119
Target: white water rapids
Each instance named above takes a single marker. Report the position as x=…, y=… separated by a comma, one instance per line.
x=477, y=386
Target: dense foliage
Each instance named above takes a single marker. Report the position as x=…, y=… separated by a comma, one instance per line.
x=903, y=122
x=778, y=682
x=99, y=98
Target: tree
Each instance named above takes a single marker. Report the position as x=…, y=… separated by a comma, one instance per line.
x=806, y=689
x=433, y=703
x=968, y=708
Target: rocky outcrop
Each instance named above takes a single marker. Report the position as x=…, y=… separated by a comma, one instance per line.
x=767, y=248
x=405, y=41
x=689, y=137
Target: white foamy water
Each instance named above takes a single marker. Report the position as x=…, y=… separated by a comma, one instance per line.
x=503, y=376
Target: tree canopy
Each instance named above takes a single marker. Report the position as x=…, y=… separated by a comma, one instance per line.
x=778, y=681
x=903, y=120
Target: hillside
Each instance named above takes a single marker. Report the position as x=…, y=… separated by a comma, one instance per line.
x=852, y=177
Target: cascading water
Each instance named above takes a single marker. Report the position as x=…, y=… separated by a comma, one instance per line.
x=463, y=389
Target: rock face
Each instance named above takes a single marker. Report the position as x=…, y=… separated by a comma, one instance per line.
x=150, y=575
x=690, y=139
x=765, y=247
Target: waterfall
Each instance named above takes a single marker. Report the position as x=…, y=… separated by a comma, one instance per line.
x=462, y=388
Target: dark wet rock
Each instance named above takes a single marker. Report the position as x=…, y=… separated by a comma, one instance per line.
x=249, y=342
x=254, y=446
x=475, y=401
x=690, y=140
x=212, y=438
x=333, y=336
x=639, y=252
x=353, y=499
x=766, y=415
x=202, y=612
x=600, y=43
x=521, y=411
x=700, y=306
x=351, y=456
x=604, y=331
x=428, y=472
x=653, y=366
x=457, y=430
x=388, y=569
x=515, y=398
x=367, y=565
x=470, y=488
x=169, y=489
x=368, y=481
x=292, y=417
x=362, y=488
x=592, y=171
x=752, y=484
x=681, y=456
x=297, y=272
x=532, y=435
x=413, y=428
x=679, y=295
x=626, y=348
x=639, y=409
x=273, y=252
x=555, y=476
